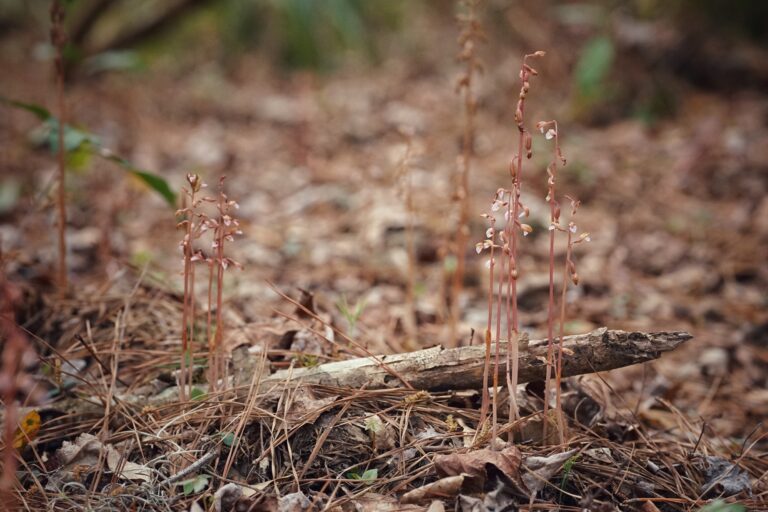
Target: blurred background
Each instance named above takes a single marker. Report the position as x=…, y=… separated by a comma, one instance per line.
x=303, y=105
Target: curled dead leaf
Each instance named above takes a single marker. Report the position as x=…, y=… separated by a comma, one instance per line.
x=473, y=465
x=443, y=488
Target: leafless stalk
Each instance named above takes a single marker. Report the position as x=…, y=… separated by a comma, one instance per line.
x=569, y=270
x=225, y=227
x=471, y=34
x=514, y=211
x=489, y=243
x=58, y=39
x=192, y=225
x=552, y=131
x=403, y=176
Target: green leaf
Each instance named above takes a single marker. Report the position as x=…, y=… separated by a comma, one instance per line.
x=157, y=184
x=721, y=506
x=228, y=438
x=374, y=424
x=567, y=467
x=40, y=112
x=593, y=67
x=371, y=474
x=195, y=485
x=79, y=158
x=73, y=137
x=153, y=181
x=76, y=140
x=367, y=476
x=197, y=394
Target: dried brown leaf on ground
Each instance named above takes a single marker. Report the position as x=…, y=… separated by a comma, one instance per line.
x=473, y=465
x=538, y=470
x=443, y=488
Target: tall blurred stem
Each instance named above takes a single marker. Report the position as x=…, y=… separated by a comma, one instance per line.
x=58, y=41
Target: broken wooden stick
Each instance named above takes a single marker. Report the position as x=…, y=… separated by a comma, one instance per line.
x=440, y=369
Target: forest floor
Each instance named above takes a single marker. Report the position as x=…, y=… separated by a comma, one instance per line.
x=677, y=209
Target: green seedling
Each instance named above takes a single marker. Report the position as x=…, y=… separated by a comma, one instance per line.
x=367, y=476
x=351, y=313
x=721, y=506
x=195, y=485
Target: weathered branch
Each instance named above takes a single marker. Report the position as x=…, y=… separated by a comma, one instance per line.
x=437, y=369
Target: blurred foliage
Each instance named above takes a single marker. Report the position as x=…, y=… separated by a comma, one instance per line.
x=81, y=145
x=308, y=33
x=742, y=17
x=313, y=34
x=593, y=68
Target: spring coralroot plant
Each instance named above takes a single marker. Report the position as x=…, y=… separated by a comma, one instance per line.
x=223, y=226
x=505, y=242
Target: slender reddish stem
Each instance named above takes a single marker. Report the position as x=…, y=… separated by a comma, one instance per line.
x=513, y=328
x=58, y=40
x=551, y=302
x=486, y=366
x=559, y=368
x=496, y=356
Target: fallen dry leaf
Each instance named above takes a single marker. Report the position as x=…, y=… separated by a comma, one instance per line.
x=373, y=502
x=648, y=506
x=127, y=470
x=29, y=426
x=85, y=453
x=305, y=408
x=472, y=465
x=447, y=487
x=540, y=469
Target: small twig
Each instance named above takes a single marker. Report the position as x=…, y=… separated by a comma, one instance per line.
x=202, y=461
x=701, y=435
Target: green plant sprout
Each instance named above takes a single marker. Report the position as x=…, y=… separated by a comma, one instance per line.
x=351, y=313
x=367, y=475
x=721, y=506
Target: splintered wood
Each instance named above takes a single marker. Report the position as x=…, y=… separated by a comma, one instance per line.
x=439, y=369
